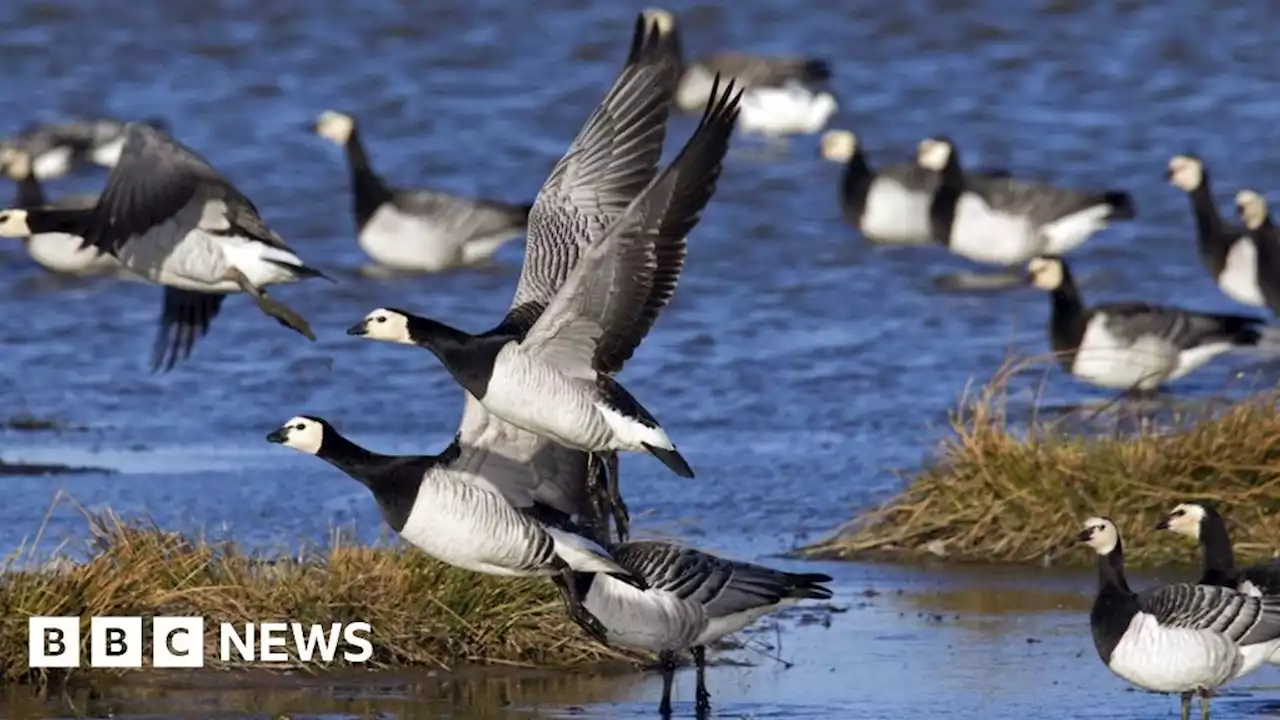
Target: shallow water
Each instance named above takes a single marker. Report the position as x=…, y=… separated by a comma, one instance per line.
x=798, y=369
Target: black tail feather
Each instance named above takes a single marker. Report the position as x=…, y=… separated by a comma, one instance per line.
x=817, y=70
x=808, y=586
x=1121, y=203
x=672, y=459
x=304, y=271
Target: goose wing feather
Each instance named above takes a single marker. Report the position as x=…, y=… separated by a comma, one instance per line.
x=1245, y=620
x=1040, y=203
x=1181, y=328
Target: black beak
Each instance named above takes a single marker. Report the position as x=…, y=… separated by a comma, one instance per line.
x=360, y=328
x=1168, y=174
x=276, y=436
x=1084, y=536
x=1163, y=524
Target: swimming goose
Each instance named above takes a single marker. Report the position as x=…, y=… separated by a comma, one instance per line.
x=546, y=381
x=1226, y=250
x=57, y=252
x=1187, y=639
x=476, y=522
x=418, y=230
x=891, y=205
x=1252, y=209
x=788, y=110
x=56, y=148
x=1199, y=520
x=1004, y=221
x=694, y=598
x=748, y=71
x=171, y=218
x=1132, y=346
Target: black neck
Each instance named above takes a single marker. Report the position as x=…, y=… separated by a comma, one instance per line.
x=854, y=185
x=1068, y=320
x=1115, y=605
x=30, y=194
x=369, y=190
x=942, y=209
x=1111, y=578
x=393, y=480
x=1219, y=558
x=469, y=358
x=1211, y=231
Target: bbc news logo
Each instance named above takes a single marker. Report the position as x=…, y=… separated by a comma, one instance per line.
x=178, y=642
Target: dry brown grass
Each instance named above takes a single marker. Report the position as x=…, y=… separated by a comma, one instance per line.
x=422, y=612
x=993, y=494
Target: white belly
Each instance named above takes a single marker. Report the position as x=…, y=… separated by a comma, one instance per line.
x=61, y=253
x=407, y=242
x=730, y=624
x=468, y=531
x=203, y=261
x=531, y=395
x=1173, y=660
x=1112, y=363
x=652, y=620
x=894, y=214
x=984, y=235
x=1239, y=278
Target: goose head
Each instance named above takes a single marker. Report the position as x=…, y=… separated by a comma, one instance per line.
x=1185, y=172
x=665, y=21
x=13, y=223
x=934, y=153
x=1184, y=519
x=384, y=324
x=1046, y=272
x=302, y=432
x=1252, y=208
x=839, y=145
x=335, y=127
x=1100, y=534
x=15, y=163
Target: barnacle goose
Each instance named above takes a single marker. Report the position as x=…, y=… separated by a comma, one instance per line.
x=791, y=109
x=418, y=230
x=55, y=251
x=888, y=206
x=693, y=599
x=1004, y=221
x=546, y=381
x=1252, y=209
x=167, y=215
x=1187, y=639
x=486, y=522
x=1132, y=346
x=747, y=70
x=1199, y=520
x=1226, y=250
x=56, y=148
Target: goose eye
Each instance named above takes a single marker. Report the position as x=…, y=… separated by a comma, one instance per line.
x=300, y=426
x=381, y=318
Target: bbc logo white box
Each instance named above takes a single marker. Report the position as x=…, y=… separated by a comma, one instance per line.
x=177, y=642
x=53, y=642
x=115, y=642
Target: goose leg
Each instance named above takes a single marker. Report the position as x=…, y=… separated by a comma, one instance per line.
x=578, y=612
x=621, y=517
x=274, y=308
x=1186, y=705
x=666, y=661
x=703, y=706
x=597, y=498
x=1204, y=703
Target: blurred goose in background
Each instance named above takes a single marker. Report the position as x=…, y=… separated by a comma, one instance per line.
x=477, y=522
x=1003, y=221
x=788, y=110
x=1200, y=521
x=889, y=206
x=747, y=70
x=56, y=148
x=1132, y=346
x=694, y=598
x=418, y=230
x=546, y=381
x=1186, y=639
x=1225, y=249
x=168, y=216
x=1252, y=209
x=54, y=251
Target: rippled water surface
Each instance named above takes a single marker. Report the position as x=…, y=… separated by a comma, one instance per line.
x=797, y=368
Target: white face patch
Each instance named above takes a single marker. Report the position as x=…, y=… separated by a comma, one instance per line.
x=1101, y=535
x=335, y=127
x=303, y=434
x=1185, y=172
x=933, y=154
x=16, y=164
x=1185, y=519
x=13, y=223
x=839, y=145
x=660, y=17
x=1046, y=273
x=387, y=326
x=1252, y=208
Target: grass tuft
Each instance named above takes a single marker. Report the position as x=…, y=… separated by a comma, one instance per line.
x=422, y=612
x=995, y=494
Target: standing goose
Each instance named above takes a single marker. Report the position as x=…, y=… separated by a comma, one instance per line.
x=1003, y=221
x=470, y=521
x=889, y=206
x=1199, y=520
x=171, y=218
x=747, y=70
x=1187, y=639
x=1132, y=346
x=547, y=382
x=57, y=148
x=418, y=230
x=1226, y=250
x=693, y=599
x=55, y=251
x=1252, y=208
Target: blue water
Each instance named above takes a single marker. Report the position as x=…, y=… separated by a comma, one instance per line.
x=799, y=369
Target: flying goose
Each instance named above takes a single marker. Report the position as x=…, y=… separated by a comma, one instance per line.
x=58, y=147
x=1252, y=209
x=694, y=598
x=1003, y=221
x=1132, y=346
x=1187, y=639
x=1226, y=250
x=167, y=215
x=546, y=381
x=483, y=523
x=1199, y=520
x=55, y=251
x=747, y=70
x=418, y=230
x=889, y=206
